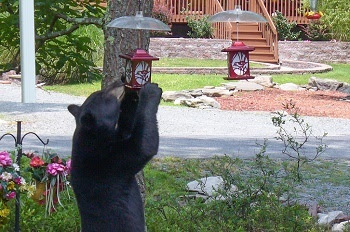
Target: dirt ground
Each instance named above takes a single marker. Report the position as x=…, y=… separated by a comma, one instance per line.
x=311, y=103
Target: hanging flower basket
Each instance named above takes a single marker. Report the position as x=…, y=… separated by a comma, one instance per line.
x=51, y=177
x=313, y=15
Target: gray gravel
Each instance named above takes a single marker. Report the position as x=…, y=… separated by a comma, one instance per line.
x=185, y=132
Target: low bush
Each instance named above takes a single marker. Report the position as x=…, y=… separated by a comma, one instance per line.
x=200, y=28
x=286, y=30
x=317, y=31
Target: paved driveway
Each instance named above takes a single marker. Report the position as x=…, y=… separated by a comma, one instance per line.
x=184, y=132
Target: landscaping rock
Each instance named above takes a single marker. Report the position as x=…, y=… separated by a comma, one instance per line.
x=196, y=92
x=217, y=92
x=208, y=186
x=243, y=86
x=229, y=85
x=328, y=219
x=266, y=81
x=329, y=84
x=173, y=95
x=340, y=226
x=290, y=87
x=202, y=102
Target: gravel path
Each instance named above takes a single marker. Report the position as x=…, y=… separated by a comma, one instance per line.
x=185, y=132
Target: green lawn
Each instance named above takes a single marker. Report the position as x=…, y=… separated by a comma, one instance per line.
x=341, y=72
x=167, y=82
x=191, y=62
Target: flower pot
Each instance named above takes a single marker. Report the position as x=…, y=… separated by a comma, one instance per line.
x=39, y=191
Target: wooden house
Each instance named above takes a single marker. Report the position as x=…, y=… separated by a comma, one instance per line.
x=262, y=36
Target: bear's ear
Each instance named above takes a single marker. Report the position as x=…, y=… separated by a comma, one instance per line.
x=74, y=110
x=87, y=120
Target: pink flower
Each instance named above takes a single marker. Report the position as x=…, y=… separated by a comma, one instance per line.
x=55, y=168
x=18, y=180
x=5, y=159
x=68, y=166
x=11, y=195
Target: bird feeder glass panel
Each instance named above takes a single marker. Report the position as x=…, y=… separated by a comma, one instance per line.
x=238, y=61
x=138, y=68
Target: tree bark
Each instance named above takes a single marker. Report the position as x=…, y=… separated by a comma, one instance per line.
x=123, y=41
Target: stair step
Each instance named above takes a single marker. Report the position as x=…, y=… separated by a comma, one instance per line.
x=245, y=26
x=264, y=60
x=255, y=34
x=252, y=41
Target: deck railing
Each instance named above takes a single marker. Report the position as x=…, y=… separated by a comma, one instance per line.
x=197, y=8
x=222, y=30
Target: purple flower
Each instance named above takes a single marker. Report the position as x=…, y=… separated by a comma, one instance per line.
x=69, y=166
x=55, y=168
x=11, y=195
x=17, y=180
x=5, y=159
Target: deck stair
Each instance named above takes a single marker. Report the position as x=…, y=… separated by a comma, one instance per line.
x=250, y=35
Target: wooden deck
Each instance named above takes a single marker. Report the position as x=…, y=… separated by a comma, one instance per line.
x=182, y=8
x=263, y=36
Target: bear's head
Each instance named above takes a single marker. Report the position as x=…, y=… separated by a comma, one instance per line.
x=100, y=111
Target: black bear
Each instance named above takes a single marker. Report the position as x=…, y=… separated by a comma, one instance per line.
x=116, y=135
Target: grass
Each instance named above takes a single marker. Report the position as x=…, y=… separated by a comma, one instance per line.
x=167, y=82
x=168, y=210
x=340, y=72
x=191, y=62
x=175, y=82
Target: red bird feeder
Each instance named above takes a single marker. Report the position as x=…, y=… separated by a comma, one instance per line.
x=138, y=68
x=238, y=61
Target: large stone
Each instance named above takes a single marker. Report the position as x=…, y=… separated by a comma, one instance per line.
x=208, y=186
x=325, y=84
x=173, y=95
x=217, y=92
x=328, y=219
x=243, y=86
x=345, y=88
x=202, y=102
x=266, y=81
x=339, y=227
x=290, y=87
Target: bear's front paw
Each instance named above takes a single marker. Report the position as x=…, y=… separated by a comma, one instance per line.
x=151, y=92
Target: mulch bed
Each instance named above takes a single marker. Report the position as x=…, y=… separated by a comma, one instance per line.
x=317, y=103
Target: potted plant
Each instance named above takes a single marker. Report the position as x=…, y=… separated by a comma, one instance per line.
x=50, y=174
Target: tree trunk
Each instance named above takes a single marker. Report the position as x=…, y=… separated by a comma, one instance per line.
x=123, y=41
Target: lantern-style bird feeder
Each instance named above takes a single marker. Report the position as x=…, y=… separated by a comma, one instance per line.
x=238, y=61
x=138, y=68
x=138, y=62
x=238, y=53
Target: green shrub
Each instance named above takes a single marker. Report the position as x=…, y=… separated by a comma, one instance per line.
x=336, y=17
x=285, y=29
x=256, y=206
x=200, y=28
x=317, y=31
x=63, y=52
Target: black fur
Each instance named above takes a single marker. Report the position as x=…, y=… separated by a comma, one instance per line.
x=113, y=140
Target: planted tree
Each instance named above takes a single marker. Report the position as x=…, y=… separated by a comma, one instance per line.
x=63, y=53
